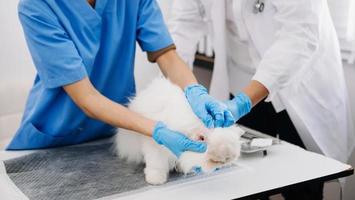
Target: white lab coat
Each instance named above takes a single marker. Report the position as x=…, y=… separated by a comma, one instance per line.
x=298, y=61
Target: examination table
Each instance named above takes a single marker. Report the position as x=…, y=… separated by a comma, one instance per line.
x=252, y=176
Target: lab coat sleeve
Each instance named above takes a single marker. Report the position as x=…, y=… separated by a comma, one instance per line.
x=152, y=33
x=294, y=46
x=187, y=27
x=54, y=55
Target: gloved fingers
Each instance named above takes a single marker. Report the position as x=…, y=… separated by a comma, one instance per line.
x=207, y=119
x=218, y=120
x=217, y=112
x=202, y=113
x=195, y=146
x=228, y=119
x=232, y=108
x=176, y=142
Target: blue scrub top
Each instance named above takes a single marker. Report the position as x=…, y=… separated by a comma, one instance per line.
x=68, y=41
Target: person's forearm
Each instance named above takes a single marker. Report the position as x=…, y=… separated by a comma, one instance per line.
x=174, y=68
x=256, y=92
x=104, y=109
x=97, y=106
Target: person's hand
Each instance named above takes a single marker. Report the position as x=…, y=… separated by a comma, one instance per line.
x=212, y=112
x=239, y=106
x=175, y=141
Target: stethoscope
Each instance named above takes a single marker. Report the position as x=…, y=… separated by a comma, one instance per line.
x=258, y=8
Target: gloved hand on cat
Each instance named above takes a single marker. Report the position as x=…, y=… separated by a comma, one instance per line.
x=175, y=141
x=213, y=113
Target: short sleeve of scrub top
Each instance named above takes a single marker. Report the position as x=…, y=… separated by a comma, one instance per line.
x=151, y=35
x=54, y=54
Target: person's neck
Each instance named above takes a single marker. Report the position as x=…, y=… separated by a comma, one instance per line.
x=92, y=3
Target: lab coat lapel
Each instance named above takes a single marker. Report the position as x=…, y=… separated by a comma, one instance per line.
x=260, y=26
x=238, y=10
x=219, y=84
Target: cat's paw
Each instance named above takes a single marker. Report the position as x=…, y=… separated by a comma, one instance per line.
x=155, y=176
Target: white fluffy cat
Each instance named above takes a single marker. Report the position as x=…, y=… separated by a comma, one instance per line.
x=166, y=102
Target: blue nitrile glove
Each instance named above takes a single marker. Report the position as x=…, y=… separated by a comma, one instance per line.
x=212, y=112
x=240, y=105
x=175, y=141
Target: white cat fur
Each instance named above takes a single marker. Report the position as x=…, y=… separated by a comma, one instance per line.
x=166, y=102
